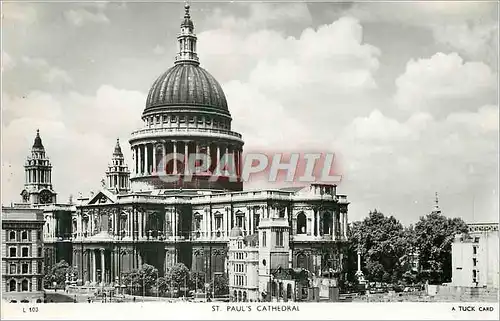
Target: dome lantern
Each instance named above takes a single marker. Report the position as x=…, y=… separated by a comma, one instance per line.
x=187, y=41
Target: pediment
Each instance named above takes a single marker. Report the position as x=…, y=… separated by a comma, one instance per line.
x=103, y=197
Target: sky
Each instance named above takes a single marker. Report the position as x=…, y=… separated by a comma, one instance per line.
x=404, y=93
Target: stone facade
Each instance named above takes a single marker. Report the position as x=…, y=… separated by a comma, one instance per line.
x=22, y=254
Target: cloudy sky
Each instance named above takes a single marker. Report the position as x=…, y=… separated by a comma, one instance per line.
x=406, y=94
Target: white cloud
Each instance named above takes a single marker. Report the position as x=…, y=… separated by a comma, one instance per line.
x=35, y=62
x=57, y=75
x=477, y=41
x=159, y=50
x=445, y=83
x=467, y=26
x=49, y=74
x=7, y=62
x=15, y=12
x=78, y=132
x=79, y=17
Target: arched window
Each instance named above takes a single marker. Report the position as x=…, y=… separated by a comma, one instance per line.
x=12, y=285
x=12, y=235
x=302, y=261
x=235, y=298
x=244, y=296
x=24, y=286
x=301, y=223
x=24, y=235
x=289, y=291
x=239, y=295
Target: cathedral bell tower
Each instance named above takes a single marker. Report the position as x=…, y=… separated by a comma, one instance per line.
x=38, y=179
x=118, y=175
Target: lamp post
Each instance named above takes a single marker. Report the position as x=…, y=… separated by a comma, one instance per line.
x=157, y=284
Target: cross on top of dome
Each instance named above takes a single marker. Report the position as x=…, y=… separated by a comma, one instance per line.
x=186, y=9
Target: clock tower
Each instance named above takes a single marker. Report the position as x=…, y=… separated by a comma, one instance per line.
x=38, y=179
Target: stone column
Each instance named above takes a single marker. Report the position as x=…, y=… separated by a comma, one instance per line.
x=164, y=154
x=140, y=224
x=154, y=158
x=247, y=227
x=345, y=225
x=217, y=169
x=227, y=159
x=139, y=159
x=103, y=265
x=136, y=160
x=317, y=224
x=186, y=158
x=94, y=268
x=251, y=212
x=175, y=157
x=146, y=161
x=209, y=156
x=176, y=222
x=334, y=225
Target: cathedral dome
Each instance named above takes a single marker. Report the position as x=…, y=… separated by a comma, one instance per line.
x=186, y=85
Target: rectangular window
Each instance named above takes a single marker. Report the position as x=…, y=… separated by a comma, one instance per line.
x=13, y=269
x=12, y=252
x=24, y=235
x=474, y=261
x=279, y=239
x=38, y=235
x=25, y=268
x=476, y=240
x=24, y=252
x=474, y=250
x=12, y=235
x=263, y=238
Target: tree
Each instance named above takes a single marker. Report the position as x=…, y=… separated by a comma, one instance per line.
x=57, y=273
x=178, y=275
x=434, y=234
x=198, y=280
x=144, y=278
x=383, y=242
x=220, y=285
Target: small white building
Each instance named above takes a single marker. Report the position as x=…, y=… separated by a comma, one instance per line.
x=475, y=257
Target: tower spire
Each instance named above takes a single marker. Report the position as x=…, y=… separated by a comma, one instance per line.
x=117, y=175
x=436, y=205
x=187, y=40
x=38, y=141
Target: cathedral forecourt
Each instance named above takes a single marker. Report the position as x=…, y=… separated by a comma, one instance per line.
x=160, y=213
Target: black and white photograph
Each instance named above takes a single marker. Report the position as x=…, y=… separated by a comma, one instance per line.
x=250, y=160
